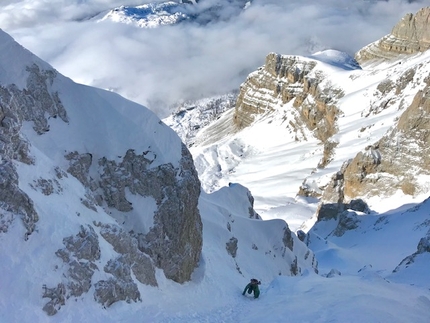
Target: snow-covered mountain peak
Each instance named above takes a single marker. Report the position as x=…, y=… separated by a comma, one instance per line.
x=155, y=14
x=409, y=36
x=149, y=15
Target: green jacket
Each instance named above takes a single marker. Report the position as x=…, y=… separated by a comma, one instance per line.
x=252, y=288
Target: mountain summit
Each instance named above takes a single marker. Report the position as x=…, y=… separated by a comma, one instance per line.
x=411, y=35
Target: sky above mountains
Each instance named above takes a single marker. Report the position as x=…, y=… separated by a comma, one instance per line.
x=158, y=67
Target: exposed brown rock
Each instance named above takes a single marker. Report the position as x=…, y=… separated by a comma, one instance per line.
x=395, y=162
x=411, y=35
x=289, y=78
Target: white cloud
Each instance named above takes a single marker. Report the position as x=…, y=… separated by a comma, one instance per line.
x=157, y=67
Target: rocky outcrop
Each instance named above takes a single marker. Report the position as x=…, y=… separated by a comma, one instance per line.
x=14, y=200
x=398, y=160
x=80, y=254
x=285, y=79
x=288, y=238
x=36, y=104
x=175, y=241
x=423, y=247
x=395, y=162
x=231, y=247
x=131, y=261
x=411, y=35
x=57, y=296
x=131, y=257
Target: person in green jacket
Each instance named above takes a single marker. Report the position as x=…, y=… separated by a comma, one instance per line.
x=253, y=287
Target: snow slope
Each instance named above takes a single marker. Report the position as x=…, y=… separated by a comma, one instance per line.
x=214, y=294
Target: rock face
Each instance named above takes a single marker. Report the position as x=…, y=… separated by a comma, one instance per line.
x=290, y=79
x=411, y=35
x=44, y=125
x=396, y=162
x=175, y=240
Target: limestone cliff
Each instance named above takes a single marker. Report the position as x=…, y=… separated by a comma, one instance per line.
x=411, y=35
x=398, y=161
x=290, y=80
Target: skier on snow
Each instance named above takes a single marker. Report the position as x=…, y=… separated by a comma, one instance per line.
x=253, y=287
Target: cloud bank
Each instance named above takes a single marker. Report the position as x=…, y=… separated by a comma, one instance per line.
x=158, y=67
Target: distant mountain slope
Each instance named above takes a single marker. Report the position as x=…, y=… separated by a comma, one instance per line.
x=156, y=14
x=313, y=114
x=190, y=117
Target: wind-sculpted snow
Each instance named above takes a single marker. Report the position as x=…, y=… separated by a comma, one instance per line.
x=240, y=232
